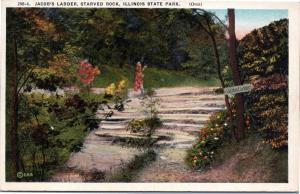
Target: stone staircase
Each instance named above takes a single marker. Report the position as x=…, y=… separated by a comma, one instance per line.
x=183, y=112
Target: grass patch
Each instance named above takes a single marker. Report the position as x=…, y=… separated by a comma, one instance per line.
x=136, y=142
x=154, y=78
x=128, y=171
x=252, y=154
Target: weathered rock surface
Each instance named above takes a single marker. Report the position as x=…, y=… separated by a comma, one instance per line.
x=183, y=111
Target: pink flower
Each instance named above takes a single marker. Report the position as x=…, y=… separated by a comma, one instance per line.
x=87, y=72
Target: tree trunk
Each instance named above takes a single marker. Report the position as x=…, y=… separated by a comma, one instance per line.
x=227, y=103
x=236, y=75
x=14, y=118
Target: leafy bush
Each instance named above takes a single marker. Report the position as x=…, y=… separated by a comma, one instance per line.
x=144, y=126
x=211, y=137
x=264, y=63
x=148, y=125
x=152, y=124
x=50, y=128
x=136, y=125
x=209, y=140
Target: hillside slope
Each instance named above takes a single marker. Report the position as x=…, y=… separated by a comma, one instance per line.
x=243, y=162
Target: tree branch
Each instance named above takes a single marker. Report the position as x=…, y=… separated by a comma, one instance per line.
x=25, y=80
x=23, y=73
x=214, y=15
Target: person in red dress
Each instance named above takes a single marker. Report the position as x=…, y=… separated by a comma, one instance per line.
x=138, y=78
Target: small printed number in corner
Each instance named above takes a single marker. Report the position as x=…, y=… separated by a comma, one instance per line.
x=23, y=4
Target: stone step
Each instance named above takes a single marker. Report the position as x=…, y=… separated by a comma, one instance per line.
x=98, y=154
x=193, y=120
x=199, y=109
x=185, y=120
x=188, y=94
x=183, y=90
x=183, y=116
x=165, y=137
x=195, y=101
x=184, y=95
x=116, y=113
x=190, y=109
x=183, y=104
x=188, y=101
x=163, y=117
x=123, y=118
x=110, y=126
x=115, y=133
x=166, y=124
x=113, y=122
x=208, y=104
x=189, y=98
x=181, y=125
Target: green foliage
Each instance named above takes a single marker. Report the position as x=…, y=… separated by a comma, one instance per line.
x=129, y=171
x=264, y=63
x=150, y=103
x=211, y=137
x=154, y=77
x=202, y=62
x=44, y=47
x=136, y=142
x=147, y=126
x=264, y=51
x=114, y=36
x=50, y=128
x=135, y=125
x=144, y=126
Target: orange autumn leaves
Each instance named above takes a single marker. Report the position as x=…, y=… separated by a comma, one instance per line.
x=60, y=67
x=40, y=22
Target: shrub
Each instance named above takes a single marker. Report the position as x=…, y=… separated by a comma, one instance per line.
x=264, y=63
x=50, y=128
x=210, y=138
x=136, y=125
x=152, y=122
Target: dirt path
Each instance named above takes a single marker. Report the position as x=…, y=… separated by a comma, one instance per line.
x=183, y=111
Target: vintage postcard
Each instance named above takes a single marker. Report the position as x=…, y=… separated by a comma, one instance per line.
x=171, y=95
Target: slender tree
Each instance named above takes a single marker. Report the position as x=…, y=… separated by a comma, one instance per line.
x=212, y=33
x=240, y=131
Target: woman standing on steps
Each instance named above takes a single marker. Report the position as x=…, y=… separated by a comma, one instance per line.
x=138, y=78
